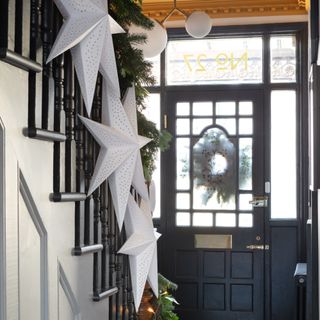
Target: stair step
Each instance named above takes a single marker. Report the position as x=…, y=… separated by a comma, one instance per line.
x=19, y=61
x=67, y=196
x=105, y=294
x=46, y=135
x=80, y=251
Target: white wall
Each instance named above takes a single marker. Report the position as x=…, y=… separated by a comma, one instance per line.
x=69, y=278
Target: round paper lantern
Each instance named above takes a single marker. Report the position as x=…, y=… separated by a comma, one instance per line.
x=198, y=24
x=156, y=41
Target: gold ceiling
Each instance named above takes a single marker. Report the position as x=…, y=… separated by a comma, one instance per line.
x=158, y=9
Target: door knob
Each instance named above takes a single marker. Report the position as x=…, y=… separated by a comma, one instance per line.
x=258, y=247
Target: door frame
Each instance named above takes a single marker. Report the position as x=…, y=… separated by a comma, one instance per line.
x=301, y=87
x=2, y=225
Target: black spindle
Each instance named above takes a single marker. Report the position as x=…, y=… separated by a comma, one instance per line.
x=58, y=104
x=46, y=35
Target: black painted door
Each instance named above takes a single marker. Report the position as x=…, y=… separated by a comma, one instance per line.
x=214, y=168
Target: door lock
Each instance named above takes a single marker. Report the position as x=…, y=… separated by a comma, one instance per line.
x=259, y=201
x=258, y=247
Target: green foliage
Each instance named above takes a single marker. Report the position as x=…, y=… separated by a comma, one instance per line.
x=132, y=68
x=166, y=302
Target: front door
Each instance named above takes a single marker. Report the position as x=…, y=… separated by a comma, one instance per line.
x=213, y=237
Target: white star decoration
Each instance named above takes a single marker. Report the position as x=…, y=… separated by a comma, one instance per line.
x=87, y=32
x=141, y=247
x=115, y=149
x=130, y=172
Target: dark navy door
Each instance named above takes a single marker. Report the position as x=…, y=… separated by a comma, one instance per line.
x=213, y=242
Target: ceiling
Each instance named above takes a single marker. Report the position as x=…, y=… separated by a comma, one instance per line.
x=158, y=9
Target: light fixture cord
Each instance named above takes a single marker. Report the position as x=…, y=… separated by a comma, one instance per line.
x=175, y=8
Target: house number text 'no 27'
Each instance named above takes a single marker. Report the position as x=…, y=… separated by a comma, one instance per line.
x=223, y=61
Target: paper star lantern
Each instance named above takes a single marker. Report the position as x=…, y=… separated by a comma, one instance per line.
x=153, y=271
x=141, y=247
x=115, y=149
x=87, y=32
x=130, y=172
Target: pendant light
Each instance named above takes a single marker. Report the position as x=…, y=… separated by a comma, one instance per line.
x=198, y=25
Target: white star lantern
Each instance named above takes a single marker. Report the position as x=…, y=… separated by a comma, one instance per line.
x=115, y=149
x=141, y=247
x=130, y=172
x=87, y=31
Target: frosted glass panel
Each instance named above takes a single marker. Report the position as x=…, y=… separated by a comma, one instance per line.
x=183, y=219
x=244, y=199
x=283, y=58
x=199, y=124
x=226, y=108
x=183, y=109
x=245, y=163
x=214, y=61
x=183, y=163
x=245, y=126
x=214, y=169
x=183, y=201
x=201, y=219
x=183, y=126
x=228, y=124
x=245, y=220
x=283, y=155
x=245, y=108
x=202, y=109
x=225, y=220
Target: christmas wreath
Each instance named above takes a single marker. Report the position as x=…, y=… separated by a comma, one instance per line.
x=214, y=166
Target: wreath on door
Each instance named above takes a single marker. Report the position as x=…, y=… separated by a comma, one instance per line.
x=214, y=166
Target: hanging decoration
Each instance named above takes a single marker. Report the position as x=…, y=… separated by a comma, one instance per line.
x=115, y=149
x=130, y=107
x=141, y=247
x=87, y=31
x=214, y=166
x=130, y=171
x=153, y=271
x=198, y=25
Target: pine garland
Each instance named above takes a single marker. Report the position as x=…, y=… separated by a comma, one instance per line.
x=132, y=68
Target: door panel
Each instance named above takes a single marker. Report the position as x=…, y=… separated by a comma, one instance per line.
x=218, y=156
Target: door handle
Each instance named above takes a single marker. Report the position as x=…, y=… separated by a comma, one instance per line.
x=258, y=247
x=259, y=201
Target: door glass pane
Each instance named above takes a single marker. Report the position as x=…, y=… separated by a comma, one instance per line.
x=245, y=220
x=183, y=126
x=228, y=124
x=283, y=155
x=244, y=201
x=183, y=163
x=183, y=201
x=199, y=124
x=202, y=219
x=202, y=109
x=214, y=61
x=214, y=171
x=245, y=163
x=226, y=108
x=283, y=58
x=183, y=219
x=245, y=108
x=183, y=109
x=225, y=220
x=245, y=126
